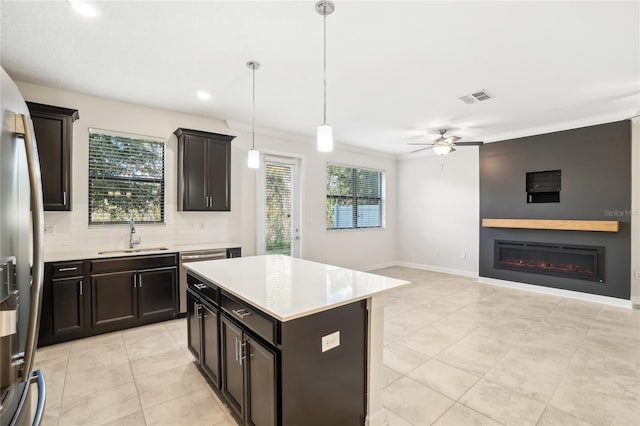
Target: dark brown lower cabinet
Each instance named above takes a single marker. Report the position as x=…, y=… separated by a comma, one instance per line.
x=202, y=335
x=157, y=290
x=67, y=297
x=210, y=359
x=248, y=375
x=193, y=324
x=114, y=299
x=83, y=298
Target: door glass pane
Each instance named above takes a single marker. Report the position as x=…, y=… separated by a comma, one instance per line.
x=278, y=207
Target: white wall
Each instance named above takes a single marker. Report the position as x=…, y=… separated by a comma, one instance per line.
x=356, y=249
x=438, y=212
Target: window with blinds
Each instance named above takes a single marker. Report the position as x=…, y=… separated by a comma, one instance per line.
x=354, y=197
x=126, y=178
x=278, y=207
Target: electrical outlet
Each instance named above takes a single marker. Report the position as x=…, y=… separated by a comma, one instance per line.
x=636, y=275
x=463, y=255
x=49, y=229
x=330, y=341
x=202, y=226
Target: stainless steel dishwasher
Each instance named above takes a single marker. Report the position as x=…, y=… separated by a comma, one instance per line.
x=194, y=256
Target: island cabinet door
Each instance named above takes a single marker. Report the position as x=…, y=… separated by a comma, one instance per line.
x=210, y=359
x=193, y=323
x=231, y=364
x=261, y=383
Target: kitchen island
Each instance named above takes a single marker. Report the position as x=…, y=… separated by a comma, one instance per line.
x=290, y=342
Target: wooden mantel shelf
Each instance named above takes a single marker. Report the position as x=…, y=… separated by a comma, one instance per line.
x=561, y=225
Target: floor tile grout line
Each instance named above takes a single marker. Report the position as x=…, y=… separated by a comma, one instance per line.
x=135, y=382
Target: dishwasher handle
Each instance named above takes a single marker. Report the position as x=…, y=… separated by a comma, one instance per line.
x=198, y=257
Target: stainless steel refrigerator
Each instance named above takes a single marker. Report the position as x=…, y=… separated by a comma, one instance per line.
x=21, y=262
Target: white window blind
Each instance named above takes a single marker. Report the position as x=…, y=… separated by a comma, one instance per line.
x=278, y=207
x=354, y=197
x=126, y=178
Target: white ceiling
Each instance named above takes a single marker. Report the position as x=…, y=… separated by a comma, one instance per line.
x=394, y=68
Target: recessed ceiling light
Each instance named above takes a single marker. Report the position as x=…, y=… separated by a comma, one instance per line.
x=84, y=8
x=203, y=95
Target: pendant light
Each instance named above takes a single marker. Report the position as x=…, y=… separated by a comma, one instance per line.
x=253, y=160
x=325, y=133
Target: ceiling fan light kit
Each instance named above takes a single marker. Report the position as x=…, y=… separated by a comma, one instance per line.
x=444, y=145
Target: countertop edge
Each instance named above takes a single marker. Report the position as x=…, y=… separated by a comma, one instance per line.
x=171, y=249
x=304, y=313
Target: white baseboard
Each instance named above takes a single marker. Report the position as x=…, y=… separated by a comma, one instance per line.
x=378, y=266
x=460, y=272
x=605, y=300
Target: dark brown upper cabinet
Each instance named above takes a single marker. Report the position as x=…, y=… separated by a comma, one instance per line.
x=53, y=127
x=204, y=171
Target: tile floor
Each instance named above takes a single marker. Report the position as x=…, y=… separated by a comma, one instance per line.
x=456, y=353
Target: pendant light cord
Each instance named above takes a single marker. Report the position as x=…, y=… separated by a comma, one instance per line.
x=325, y=63
x=253, y=118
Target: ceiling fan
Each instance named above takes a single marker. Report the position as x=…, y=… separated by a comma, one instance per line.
x=444, y=144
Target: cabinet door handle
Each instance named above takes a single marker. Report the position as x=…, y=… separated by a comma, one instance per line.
x=139, y=280
x=80, y=285
x=75, y=268
x=200, y=286
x=243, y=350
x=64, y=198
x=236, y=344
x=241, y=313
x=134, y=282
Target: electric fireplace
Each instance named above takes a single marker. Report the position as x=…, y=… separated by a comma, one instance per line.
x=562, y=260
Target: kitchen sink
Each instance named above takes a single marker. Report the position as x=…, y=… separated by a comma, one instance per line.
x=138, y=250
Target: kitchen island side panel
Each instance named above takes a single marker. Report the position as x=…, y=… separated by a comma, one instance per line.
x=325, y=388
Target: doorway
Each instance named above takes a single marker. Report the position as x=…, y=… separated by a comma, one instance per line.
x=279, y=221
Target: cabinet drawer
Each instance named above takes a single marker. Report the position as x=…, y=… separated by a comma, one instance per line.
x=208, y=292
x=250, y=317
x=132, y=263
x=67, y=269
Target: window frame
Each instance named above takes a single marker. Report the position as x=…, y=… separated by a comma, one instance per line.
x=162, y=202
x=354, y=197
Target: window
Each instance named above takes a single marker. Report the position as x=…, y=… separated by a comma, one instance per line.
x=126, y=178
x=354, y=197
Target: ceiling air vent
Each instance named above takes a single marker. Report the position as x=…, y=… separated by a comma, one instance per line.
x=481, y=95
x=478, y=96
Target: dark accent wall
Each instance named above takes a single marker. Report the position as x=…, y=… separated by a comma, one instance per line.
x=596, y=185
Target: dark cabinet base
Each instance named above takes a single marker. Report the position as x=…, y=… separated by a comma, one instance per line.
x=90, y=297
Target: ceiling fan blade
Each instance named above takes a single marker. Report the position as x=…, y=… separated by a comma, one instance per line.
x=469, y=143
x=421, y=149
x=419, y=143
x=452, y=139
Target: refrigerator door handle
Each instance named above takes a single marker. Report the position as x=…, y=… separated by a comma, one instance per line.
x=37, y=214
x=36, y=377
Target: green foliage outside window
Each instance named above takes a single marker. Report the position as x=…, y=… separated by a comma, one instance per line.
x=126, y=178
x=354, y=197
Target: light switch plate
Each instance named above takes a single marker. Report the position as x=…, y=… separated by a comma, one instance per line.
x=330, y=341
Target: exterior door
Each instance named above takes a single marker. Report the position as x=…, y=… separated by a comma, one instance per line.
x=279, y=207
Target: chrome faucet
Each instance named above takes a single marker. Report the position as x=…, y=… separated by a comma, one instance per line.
x=132, y=230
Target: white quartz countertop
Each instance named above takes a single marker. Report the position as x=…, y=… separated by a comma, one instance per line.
x=288, y=288
x=139, y=251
